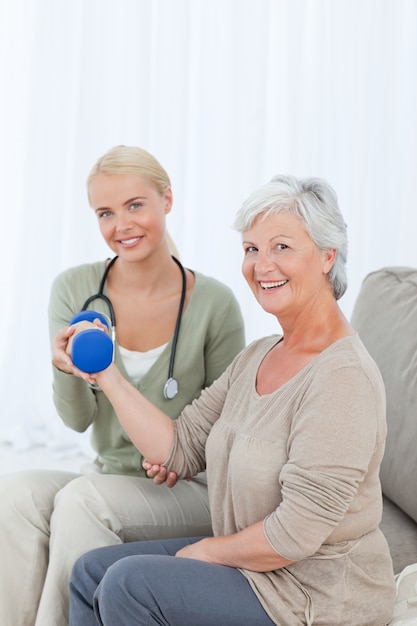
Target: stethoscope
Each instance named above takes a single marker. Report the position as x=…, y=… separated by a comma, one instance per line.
x=171, y=385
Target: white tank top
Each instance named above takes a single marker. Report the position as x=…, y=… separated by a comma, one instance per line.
x=137, y=364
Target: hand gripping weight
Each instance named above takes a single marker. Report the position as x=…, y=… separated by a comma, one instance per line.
x=92, y=348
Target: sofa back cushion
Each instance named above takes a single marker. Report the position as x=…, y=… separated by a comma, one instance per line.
x=385, y=317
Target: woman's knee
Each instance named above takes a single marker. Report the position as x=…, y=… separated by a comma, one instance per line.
x=126, y=592
x=77, y=496
x=85, y=577
x=90, y=569
x=30, y=494
x=95, y=563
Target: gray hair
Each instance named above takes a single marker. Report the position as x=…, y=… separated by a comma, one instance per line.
x=314, y=202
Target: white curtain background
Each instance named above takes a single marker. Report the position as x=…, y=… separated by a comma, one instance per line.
x=225, y=93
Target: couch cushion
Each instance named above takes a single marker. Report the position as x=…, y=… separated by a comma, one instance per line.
x=400, y=531
x=385, y=316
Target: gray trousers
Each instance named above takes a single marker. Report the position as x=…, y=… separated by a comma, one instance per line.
x=144, y=584
x=50, y=518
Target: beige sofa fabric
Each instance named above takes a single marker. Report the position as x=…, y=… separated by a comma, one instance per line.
x=385, y=316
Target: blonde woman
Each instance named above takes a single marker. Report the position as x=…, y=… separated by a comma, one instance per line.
x=50, y=518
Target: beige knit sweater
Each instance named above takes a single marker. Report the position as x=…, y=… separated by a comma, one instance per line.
x=305, y=459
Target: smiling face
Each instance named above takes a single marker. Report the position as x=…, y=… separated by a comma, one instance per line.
x=131, y=213
x=283, y=267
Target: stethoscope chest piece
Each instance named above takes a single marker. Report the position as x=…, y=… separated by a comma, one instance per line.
x=170, y=388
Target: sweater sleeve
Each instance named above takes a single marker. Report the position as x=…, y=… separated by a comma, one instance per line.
x=192, y=428
x=74, y=400
x=225, y=337
x=335, y=441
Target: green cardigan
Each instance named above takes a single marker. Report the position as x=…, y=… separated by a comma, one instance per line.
x=211, y=334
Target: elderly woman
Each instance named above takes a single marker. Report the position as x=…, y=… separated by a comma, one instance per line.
x=292, y=436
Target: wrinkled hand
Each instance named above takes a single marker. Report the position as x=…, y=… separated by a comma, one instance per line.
x=160, y=474
x=83, y=325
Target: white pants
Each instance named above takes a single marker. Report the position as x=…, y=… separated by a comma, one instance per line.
x=49, y=518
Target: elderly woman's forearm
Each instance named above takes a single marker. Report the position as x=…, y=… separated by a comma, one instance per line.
x=150, y=430
x=247, y=549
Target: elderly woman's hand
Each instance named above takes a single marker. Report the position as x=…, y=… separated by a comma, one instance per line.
x=62, y=347
x=84, y=325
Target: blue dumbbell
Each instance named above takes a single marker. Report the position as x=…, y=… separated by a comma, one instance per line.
x=92, y=348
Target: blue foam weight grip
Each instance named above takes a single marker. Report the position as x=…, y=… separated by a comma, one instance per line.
x=92, y=351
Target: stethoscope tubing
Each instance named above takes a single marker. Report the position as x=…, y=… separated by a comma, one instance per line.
x=171, y=385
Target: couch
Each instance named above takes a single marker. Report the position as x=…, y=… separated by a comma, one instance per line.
x=385, y=317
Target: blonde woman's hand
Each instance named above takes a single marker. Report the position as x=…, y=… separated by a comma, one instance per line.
x=160, y=474
x=60, y=350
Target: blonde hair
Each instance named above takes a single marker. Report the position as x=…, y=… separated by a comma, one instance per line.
x=130, y=159
x=133, y=160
